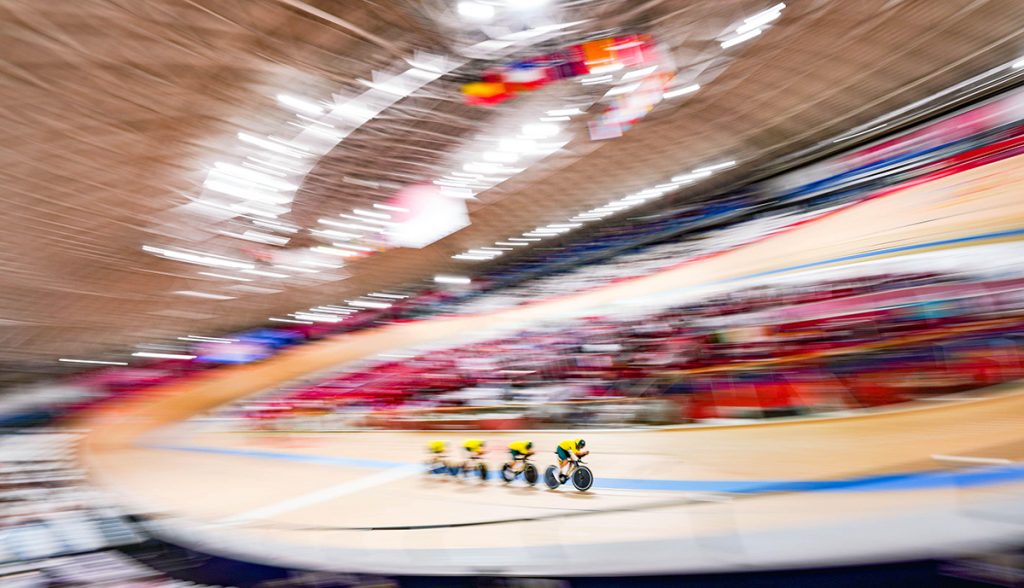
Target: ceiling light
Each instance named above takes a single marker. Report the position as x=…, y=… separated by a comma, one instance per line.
x=1018, y=64
x=197, y=258
x=681, y=91
x=692, y=176
x=442, y=279
x=522, y=239
x=639, y=73
x=284, y=320
x=468, y=257
x=91, y=361
x=386, y=295
x=333, y=251
x=352, y=247
x=565, y=112
x=761, y=18
x=389, y=207
x=299, y=104
x=714, y=167
x=540, y=131
x=369, y=304
x=510, y=244
x=162, y=355
x=236, y=278
x=292, y=268
x=272, y=146
x=624, y=89
x=740, y=38
x=476, y=11
x=606, y=69
x=264, y=273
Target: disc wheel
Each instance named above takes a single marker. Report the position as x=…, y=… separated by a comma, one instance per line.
x=482, y=469
x=551, y=477
x=530, y=474
x=583, y=478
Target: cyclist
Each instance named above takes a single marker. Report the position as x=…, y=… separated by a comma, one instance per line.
x=474, y=452
x=520, y=451
x=437, y=450
x=568, y=452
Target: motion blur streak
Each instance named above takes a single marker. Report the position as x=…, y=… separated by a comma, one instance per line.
x=528, y=293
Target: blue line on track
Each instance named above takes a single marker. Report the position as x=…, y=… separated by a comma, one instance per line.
x=886, y=251
x=919, y=480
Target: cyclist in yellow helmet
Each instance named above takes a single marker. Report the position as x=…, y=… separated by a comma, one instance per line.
x=520, y=450
x=438, y=461
x=568, y=452
x=474, y=448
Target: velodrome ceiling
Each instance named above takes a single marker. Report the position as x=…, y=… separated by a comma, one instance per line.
x=114, y=112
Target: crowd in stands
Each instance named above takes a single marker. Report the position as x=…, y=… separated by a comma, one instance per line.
x=777, y=349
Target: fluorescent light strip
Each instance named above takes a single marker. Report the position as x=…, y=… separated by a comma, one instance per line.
x=370, y=214
x=283, y=320
x=264, y=273
x=153, y=355
x=740, y=38
x=368, y=304
x=680, y=91
x=236, y=278
x=91, y=361
x=390, y=208
x=442, y=279
x=207, y=295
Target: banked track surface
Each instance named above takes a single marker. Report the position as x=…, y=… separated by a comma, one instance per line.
x=301, y=511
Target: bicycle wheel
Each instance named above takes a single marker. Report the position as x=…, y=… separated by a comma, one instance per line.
x=582, y=478
x=530, y=474
x=507, y=474
x=482, y=469
x=551, y=477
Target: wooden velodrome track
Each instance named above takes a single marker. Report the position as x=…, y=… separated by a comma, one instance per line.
x=784, y=494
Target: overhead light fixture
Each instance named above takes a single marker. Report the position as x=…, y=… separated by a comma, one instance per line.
x=443, y=279
x=740, y=38
x=390, y=208
x=1018, y=64
x=506, y=243
x=236, y=278
x=540, y=131
x=299, y=104
x=475, y=11
x=281, y=148
x=522, y=239
x=605, y=69
x=91, y=361
x=369, y=304
x=564, y=112
x=284, y=320
x=206, y=295
x=681, y=91
x=761, y=18
x=623, y=89
x=267, y=274
x=639, y=73
x=715, y=167
x=162, y=355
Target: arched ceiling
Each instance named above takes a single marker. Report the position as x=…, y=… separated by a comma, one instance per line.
x=115, y=110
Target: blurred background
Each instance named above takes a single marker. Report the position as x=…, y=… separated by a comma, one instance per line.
x=338, y=229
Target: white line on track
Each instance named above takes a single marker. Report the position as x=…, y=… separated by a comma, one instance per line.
x=325, y=494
